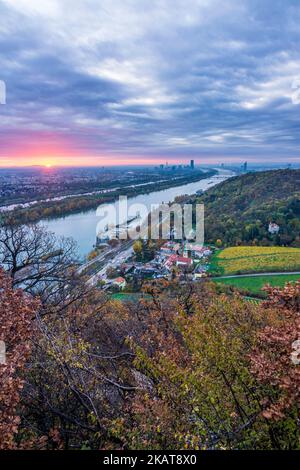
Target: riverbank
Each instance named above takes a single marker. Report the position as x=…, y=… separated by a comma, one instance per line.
x=82, y=226
x=27, y=204
x=62, y=207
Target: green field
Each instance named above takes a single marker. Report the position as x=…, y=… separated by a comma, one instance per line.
x=255, y=259
x=129, y=296
x=254, y=284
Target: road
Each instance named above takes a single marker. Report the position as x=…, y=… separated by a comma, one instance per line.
x=117, y=257
x=281, y=273
x=106, y=254
x=98, y=258
x=114, y=257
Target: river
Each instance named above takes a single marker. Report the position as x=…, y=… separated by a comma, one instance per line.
x=82, y=226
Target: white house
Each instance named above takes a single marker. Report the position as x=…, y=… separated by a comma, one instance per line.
x=273, y=228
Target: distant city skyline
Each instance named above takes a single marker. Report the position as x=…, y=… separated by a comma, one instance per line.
x=96, y=82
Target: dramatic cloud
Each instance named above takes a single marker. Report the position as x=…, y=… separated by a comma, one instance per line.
x=104, y=81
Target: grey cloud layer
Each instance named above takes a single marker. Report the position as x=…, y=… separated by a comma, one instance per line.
x=154, y=78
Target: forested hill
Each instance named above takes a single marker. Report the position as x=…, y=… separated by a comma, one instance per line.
x=239, y=209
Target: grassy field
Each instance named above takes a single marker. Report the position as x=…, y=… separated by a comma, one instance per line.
x=254, y=284
x=255, y=259
x=129, y=296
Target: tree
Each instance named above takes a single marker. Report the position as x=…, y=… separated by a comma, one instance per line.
x=239, y=210
x=148, y=250
x=112, y=272
x=17, y=310
x=41, y=264
x=80, y=374
x=275, y=358
x=138, y=247
x=93, y=254
x=196, y=389
x=33, y=256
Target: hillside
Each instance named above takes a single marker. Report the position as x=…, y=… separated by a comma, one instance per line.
x=238, y=211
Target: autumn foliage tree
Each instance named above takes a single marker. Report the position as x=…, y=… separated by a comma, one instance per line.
x=196, y=389
x=79, y=374
x=16, y=316
x=276, y=358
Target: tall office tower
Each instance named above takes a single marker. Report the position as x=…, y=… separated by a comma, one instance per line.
x=192, y=164
x=245, y=166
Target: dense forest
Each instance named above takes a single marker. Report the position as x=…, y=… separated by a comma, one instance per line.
x=238, y=211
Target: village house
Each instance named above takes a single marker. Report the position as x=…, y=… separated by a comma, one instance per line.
x=178, y=261
x=273, y=228
x=195, y=250
x=120, y=282
x=169, y=248
x=183, y=261
x=170, y=261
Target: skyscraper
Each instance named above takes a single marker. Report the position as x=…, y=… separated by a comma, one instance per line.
x=192, y=165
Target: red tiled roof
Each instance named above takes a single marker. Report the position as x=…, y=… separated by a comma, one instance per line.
x=181, y=259
x=119, y=280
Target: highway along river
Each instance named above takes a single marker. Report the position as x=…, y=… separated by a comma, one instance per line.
x=82, y=226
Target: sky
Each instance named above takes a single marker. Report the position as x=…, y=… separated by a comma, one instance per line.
x=110, y=82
